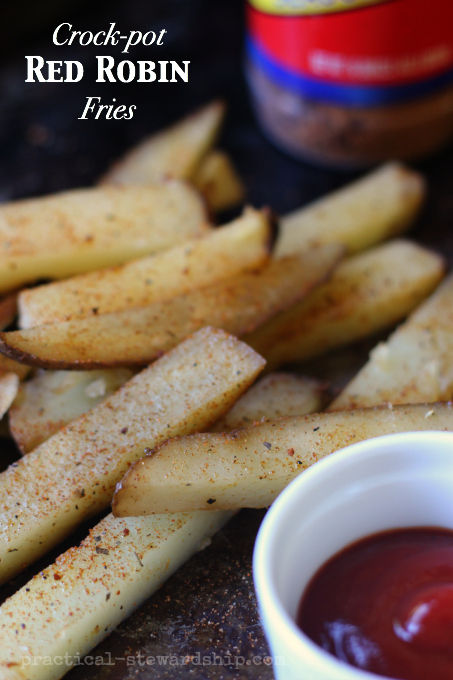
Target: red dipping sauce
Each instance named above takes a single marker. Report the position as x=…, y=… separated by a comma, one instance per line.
x=385, y=604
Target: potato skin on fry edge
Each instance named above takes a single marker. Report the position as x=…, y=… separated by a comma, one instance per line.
x=138, y=335
x=251, y=466
x=28, y=359
x=242, y=245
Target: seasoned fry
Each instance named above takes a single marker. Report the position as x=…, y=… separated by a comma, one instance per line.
x=116, y=317
x=376, y=207
x=161, y=543
x=219, y=182
x=137, y=336
x=174, y=152
x=275, y=395
x=51, y=399
x=366, y=293
x=77, y=601
x=241, y=246
x=250, y=467
x=87, y=229
x=414, y=365
x=72, y=475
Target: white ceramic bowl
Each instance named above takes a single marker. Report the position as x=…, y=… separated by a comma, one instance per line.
x=398, y=480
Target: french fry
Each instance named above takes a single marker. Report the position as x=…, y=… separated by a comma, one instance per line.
x=174, y=152
x=366, y=293
x=241, y=246
x=414, y=365
x=74, y=603
x=275, y=395
x=72, y=475
x=137, y=336
x=52, y=399
x=130, y=557
x=376, y=207
x=218, y=181
x=142, y=553
x=250, y=467
x=87, y=229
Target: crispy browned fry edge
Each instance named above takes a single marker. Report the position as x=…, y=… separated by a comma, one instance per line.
x=225, y=304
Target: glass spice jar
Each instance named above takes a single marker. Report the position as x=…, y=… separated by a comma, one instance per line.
x=352, y=82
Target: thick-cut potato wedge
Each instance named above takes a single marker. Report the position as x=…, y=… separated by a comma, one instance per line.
x=376, y=207
x=72, y=475
x=51, y=399
x=9, y=387
x=137, y=336
x=414, y=365
x=219, y=182
x=87, y=229
x=174, y=152
x=275, y=395
x=243, y=245
x=90, y=589
x=366, y=293
x=146, y=549
x=250, y=467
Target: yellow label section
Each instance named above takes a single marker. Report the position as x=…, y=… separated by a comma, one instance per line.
x=300, y=7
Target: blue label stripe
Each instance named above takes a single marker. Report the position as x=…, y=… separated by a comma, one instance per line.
x=347, y=95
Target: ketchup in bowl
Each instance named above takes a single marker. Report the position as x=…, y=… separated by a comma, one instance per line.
x=385, y=604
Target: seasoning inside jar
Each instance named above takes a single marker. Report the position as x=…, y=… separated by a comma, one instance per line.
x=352, y=82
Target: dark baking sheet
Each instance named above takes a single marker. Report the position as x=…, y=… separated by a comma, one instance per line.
x=207, y=609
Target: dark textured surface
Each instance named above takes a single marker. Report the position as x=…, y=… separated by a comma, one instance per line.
x=202, y=621
x=208, y=607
